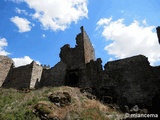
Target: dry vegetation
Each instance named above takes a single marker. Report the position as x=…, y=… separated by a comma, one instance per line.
x=17, y=105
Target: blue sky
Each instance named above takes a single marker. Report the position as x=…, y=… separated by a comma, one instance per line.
x=37, y=29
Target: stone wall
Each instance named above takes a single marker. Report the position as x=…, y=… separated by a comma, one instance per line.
x=72, y=57
x=6, y=65
x=94, y=73
x=80, y=55
x=35, y=75
x=89, y=53
x=20, y=77
x=27, y=76
x=54, y=76
x=132, y=80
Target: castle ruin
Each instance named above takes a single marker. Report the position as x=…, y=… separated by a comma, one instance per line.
x=77, y=68
x=129, y=81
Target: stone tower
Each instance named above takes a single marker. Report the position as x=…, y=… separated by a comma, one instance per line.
x=75, y=59
x=80, y=55
x=83, y=41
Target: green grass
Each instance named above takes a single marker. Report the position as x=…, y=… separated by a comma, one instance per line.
x=16, y=105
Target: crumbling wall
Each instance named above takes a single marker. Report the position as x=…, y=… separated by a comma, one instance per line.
x=73, y=77
x=24, y=76
x=6, y=65
x=132, y=79
x=89, y=53
x=54, y=76
x=80, y=55
x=35, y=75
x=72, y=57
x=20, y=77
x=94, y=73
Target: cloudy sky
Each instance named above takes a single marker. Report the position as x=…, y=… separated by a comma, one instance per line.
x=37, y=29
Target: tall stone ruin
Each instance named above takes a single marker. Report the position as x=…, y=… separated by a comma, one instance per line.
x=130, y=81
x=74, y=66
x=77, y=67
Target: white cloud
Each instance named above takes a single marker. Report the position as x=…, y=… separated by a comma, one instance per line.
x=19, y=11
x=15, y=1
x=58, y=14
x=134, y=39
x=144, y=22
x=3, y=43
x=104, y=21
x=22, y=24
x=23, y=61
x=43, y=35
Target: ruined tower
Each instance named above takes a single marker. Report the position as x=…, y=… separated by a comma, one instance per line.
x=84, y=42
x=76, y=59
x=77, y=67
x=80, y=55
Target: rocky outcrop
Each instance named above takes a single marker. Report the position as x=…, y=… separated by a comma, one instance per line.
x=46, y=111
x=88, y=92
x=60, y=98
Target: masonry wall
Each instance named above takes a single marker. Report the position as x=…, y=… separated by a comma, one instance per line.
x=5, y=67
x=132, y=81
x=54, y=76
x=27, y=76
x=20, y=77
x=75, y=60
x=94, y=73
x=89, y=53
x=72, y=57
x=35, y=75
x=80, y=55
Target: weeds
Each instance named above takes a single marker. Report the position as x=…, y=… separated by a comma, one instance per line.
x=15, y=105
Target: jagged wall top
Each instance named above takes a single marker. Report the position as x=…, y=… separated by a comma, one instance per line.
x=88, y=48
x=80, y=55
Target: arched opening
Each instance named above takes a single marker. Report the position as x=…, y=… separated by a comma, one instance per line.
x=72, y=78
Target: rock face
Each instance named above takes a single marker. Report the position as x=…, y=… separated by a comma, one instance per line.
x=6, y=65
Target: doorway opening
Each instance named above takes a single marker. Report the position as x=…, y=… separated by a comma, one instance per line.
x=72, y=78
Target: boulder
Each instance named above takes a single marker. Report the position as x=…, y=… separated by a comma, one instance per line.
x=86, y=89
x=45, y=111
x=60, y=98
x=88, y=92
